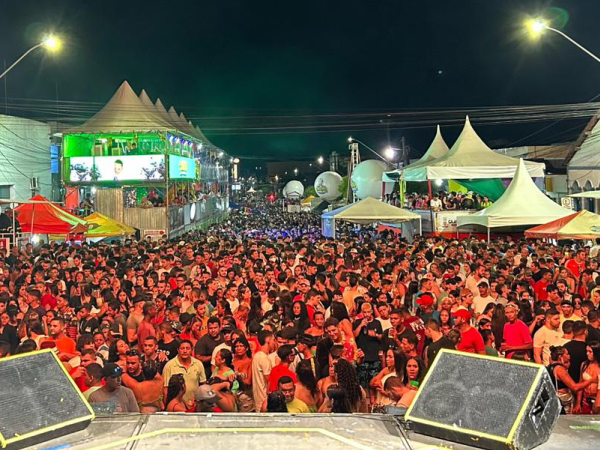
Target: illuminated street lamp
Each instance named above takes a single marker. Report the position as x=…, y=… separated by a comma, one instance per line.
x=320, y=160
x=389, y=153
x=351, y=140
x=51, y=43
x=538, y=26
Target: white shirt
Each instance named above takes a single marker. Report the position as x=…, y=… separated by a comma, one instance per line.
x=261, y=369
x=545, y=338
x=479, y=303
x=386, y=324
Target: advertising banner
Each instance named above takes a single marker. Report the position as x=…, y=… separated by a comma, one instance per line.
x=181, y=168
x=116, y=169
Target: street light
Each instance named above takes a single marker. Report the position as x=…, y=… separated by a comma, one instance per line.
x=389, y=153
x=320, y=160
x=538, y=26
x=351, y=140
x=50, y=43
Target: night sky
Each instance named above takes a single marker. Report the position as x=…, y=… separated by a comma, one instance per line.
x=240, y=69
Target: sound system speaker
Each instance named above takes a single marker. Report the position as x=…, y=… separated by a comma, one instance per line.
x=39, y=400
x=484, y=401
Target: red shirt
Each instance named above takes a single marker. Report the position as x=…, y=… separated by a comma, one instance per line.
x=575, y=268
x=516, y=334
x=471, y=341
x=276, y=373
x=540, y=290
x=416, y=324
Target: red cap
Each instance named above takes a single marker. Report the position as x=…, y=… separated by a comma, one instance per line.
x=465, y=314
x=425, y=300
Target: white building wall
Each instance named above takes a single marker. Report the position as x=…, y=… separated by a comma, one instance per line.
x=24, y=154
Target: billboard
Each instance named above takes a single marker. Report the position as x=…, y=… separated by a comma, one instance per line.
x=181, y=168
x=116, y=169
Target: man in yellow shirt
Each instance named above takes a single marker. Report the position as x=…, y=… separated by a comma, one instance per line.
x=287, y=387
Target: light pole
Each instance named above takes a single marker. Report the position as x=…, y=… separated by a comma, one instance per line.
x=388, y=150
x=50, y=43
x=538, y=26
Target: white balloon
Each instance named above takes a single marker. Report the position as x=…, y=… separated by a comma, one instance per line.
x=327, y=185
x=366, y=179
x=294, y=189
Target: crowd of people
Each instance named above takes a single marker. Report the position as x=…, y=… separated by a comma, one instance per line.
x=263, y=314
x=442, y=201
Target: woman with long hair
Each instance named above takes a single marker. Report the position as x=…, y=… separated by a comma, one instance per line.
x=346, y=377
x=299, y=316
x=242, y=363
x=339, y=399
x=340, y=312
x=255, y=312
x=558, y=368
x=224, y=369
x=306, y=388
x=117, y=352
x=393, y=367
x=498, y=321
x=175, y=393
x=590, y=369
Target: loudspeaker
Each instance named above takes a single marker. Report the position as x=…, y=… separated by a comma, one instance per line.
x=39, y=400
x=485, y=402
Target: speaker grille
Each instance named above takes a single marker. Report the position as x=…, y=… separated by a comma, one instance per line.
x=35, y=394
x=479, y=394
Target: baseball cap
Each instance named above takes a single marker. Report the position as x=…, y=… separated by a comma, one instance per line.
x=425, y=300
x=566, y=302
x=205, y=393
x=461, y=312
x=176, y=326
x=116, y=329
x=111, y=370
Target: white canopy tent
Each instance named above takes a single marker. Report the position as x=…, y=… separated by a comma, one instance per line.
x=469, y=158
x=587, y=194
x=437, y=149
x=521, y=204
x=366, y=212
x=124, y=113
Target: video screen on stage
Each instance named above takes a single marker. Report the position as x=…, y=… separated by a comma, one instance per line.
x=181, y=168
x=116, y=169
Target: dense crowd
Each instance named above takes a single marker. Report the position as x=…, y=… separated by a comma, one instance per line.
x=263, y=314
x=442, y=201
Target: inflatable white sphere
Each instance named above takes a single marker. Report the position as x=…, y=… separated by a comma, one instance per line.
x=294, y=189
x=327, y=185
x=366, y=179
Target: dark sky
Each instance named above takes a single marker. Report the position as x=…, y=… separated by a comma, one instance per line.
x=233, y=65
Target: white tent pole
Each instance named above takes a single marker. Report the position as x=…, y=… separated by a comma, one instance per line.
x=488, y=233
x=420, y=226
x=14, y=224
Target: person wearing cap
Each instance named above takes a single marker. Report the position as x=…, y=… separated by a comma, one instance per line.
x=567, y=312
x=425, y=302
x=206, y=399
x=516, y=335
x=471, y=340
x=117, y=398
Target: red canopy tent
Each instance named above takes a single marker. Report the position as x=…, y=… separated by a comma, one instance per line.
x=46, y=217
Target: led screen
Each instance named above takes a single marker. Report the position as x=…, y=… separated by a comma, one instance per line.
x=116, y=169
x=181, y=168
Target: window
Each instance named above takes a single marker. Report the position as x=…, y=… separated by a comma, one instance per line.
x=5, y=190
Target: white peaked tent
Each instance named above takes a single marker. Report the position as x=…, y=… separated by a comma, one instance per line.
x=365, y=212
x=437, y=149
x=124, y=113
x=162, y=111
x=470, y=158
x=521, y=204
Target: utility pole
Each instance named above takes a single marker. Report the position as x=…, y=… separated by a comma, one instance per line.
x=354, y=161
